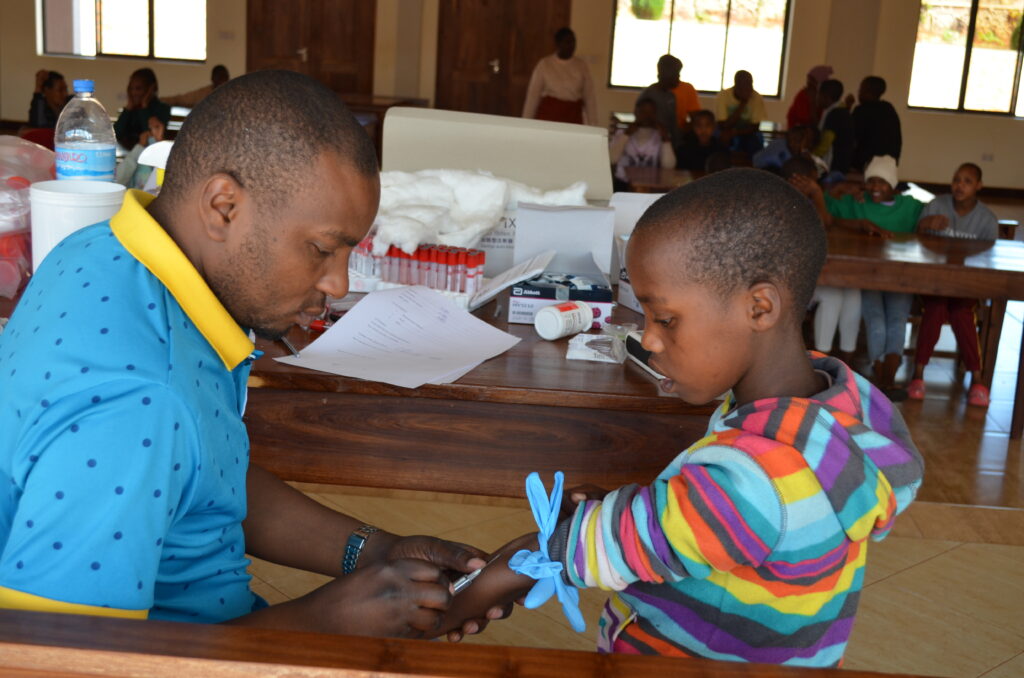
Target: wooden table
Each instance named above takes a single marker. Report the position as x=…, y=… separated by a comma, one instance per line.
x=41, y=644
x=529, y=409
x=940, y=266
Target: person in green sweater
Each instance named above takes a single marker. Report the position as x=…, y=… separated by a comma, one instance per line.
x=880, y=211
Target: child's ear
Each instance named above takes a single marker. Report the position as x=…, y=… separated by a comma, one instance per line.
x=764, y=306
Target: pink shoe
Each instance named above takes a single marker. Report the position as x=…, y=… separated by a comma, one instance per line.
x=915, y=389
x=978, y=396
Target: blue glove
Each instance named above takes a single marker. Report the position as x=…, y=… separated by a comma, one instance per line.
x=538, y=564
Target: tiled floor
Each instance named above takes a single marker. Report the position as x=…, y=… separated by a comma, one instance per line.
x=944, y=594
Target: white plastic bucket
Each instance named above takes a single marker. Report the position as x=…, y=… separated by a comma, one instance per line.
x=59, y=208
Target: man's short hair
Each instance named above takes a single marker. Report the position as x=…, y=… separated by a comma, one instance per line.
x=742, y=75
x=220, y=70
x=737, y=228
x=971, y=166
x=702, y=113
x=833, y=89
x=563, y=33
x=265, y=129
x=874, y=85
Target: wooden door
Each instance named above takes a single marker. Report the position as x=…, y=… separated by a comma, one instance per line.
x=341, y=44
x=487, y=50
x=330, y=40
x=275, y=33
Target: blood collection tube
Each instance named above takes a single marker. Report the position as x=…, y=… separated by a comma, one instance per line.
x=460, y=271
x=442, y=268
x=471, y=279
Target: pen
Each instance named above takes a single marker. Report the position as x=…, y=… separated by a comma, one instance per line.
x=288, y=345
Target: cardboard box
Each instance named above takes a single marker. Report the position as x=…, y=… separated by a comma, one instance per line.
x=529, y=296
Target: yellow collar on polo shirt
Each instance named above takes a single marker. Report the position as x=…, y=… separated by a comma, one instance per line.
x=148, y=242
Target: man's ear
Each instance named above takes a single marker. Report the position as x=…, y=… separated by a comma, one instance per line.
x=221, y=201
x=764, y=306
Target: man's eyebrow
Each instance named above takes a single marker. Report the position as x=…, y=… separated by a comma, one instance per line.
x=342, y=238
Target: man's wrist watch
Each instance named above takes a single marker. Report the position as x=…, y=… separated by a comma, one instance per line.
x=354, y=547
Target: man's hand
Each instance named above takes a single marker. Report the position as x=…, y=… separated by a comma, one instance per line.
x=456, y=559
x=850, y=100
x=405, y=598
x=41, y=77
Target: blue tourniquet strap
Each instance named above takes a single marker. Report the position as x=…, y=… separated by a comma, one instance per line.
x=538, y=564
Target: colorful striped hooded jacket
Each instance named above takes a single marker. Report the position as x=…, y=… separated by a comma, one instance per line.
x=751, y=545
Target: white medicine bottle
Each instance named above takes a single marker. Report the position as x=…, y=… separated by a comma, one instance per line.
x=564, y=318
x=84, y=138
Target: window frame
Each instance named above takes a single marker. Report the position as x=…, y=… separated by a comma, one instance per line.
x=968, y=49
x=782, y=61
x=100, y=54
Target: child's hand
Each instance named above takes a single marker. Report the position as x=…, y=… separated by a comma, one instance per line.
x=935, y=222
x=849, y=100
x=495, y=588
x=806, y=185
x=871, y=228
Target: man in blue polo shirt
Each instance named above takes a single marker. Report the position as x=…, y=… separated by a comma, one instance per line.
x=125, y=487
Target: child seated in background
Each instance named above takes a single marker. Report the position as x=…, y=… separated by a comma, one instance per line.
x=751, y=544
x=645, y=143
x=837, y=306
x=132, y=125
x=700, y=142
x=958, y=215
x=798, y=140
x=881, y=212
x=129, y=172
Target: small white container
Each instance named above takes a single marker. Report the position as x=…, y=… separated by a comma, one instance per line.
x=59, y=208
x=564, y=318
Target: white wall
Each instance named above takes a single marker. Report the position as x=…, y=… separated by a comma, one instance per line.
x=858, y=37
x=20, y=58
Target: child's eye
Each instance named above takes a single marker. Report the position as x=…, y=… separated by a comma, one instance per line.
x=665, y=322
x=320, y=250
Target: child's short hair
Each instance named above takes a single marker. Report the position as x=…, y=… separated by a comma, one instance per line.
x=146, y=75
x=971, y=166
x=833, y=89
x=51, y=79
x=564, y=32
x=799, y=165
x=702, y=113
x=739, y=227
x=874, y=85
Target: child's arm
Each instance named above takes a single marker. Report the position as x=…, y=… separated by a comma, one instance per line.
x=812, y=189
x=719, y=512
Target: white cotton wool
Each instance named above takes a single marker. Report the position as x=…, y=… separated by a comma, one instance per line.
x=452, y=207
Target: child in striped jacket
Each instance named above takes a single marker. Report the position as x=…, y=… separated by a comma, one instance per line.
x=751, y=544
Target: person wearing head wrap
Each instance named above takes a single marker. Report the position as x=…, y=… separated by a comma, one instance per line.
x=804, y=109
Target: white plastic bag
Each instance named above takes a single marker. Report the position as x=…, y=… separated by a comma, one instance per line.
x=21, y=163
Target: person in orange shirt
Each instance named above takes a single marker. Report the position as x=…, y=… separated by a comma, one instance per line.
x=686, y=102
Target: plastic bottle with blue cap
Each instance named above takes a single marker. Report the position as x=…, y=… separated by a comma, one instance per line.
x=84, y=139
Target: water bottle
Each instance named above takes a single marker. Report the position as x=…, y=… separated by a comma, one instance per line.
x=84, y=139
